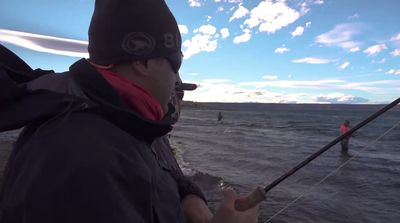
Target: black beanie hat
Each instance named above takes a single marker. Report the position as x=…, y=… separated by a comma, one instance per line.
x=122, y=30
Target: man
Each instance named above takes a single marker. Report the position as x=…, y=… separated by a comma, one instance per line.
x=345, y=127
x=219, y=116
x=88, y=152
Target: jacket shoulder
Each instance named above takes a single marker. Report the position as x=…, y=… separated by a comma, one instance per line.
x=86, y=139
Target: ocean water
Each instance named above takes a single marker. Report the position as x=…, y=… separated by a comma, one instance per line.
x=255, y=144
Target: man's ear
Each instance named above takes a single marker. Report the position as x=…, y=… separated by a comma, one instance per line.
x=140, y=67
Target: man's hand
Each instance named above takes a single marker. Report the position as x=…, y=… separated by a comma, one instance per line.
x=227, y=213
x=195, y=209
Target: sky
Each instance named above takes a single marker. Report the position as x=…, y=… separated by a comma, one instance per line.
x=269, y=51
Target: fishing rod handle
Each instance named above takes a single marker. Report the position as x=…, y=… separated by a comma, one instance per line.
x=250, y=201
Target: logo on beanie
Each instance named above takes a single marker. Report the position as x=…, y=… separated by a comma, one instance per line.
x=138, y=43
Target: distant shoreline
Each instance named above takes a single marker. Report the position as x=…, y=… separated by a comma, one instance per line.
x=282, y=106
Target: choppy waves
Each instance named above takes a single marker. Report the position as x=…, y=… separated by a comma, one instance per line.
x=253, y=148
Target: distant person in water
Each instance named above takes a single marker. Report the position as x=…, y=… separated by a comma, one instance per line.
x=345, y=127
x=219, y=116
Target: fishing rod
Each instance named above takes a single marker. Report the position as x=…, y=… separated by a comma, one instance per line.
x=259, y=194
x=331, y=173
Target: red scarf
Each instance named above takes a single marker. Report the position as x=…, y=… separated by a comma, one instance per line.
x=138, y=99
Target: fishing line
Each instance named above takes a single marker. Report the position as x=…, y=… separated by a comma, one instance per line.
x=330, y=174
x=259, y=194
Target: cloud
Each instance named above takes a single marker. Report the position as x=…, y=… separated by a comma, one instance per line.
x=46, y=44
x=383, y=60
x=183, y=29
x=305, y=5
x=230, y=1
x=199, y=43
x=194, y=3
x=271, y=16
x=304, y=8
x=225, y=33
x=220, y=9
x=282, y=50
x=298, y=31
x=270, y=77
x=233, y=1
x=206, y=29
x=239, y=13
x=355, y=49
x=344, y=65
x=375, y=87
x=395, y=53
x=205, y=40
x=318, y=84
x=231, y=92
x=339, y=98
x=393, y=71
x=312, y=60
x=341, y=36
x=354, y=16
x=245, y=37
x=395, y=37
x=375, y=49
x=222, y=90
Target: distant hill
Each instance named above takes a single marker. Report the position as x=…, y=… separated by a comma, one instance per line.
x=286, y=107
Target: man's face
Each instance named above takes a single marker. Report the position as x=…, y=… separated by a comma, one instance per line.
x=163, y=77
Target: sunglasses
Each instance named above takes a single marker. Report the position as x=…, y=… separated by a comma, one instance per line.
x=175, y=61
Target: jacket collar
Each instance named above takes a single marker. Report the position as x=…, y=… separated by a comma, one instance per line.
x=112, y=106
x=20, y=107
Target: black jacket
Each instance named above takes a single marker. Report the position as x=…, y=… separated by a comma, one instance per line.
x=84, y=156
